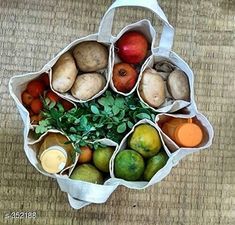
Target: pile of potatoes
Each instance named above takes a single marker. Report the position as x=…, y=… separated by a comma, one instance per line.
x=162, y=83
x=76, y=71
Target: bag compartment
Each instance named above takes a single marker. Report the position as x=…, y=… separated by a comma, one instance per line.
x=200, y=120
x=170, y=105
x=159, y=175
x=33, y=146
x=86, y=191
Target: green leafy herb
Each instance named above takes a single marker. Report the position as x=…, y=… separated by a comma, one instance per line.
x=121, y=128
x=110, y=116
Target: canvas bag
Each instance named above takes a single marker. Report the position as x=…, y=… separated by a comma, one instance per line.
x=89, y=192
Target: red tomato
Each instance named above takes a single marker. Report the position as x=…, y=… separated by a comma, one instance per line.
x=52, y=96
x=66, y=104
x=45, y=79
x=35, y=88
x=36, y=105
x=26, y=98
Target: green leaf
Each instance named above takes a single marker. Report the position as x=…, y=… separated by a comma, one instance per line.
x=52, y=104
x=47, y=101
x=115, y=110
x=74, y=137
x=132, y=107
x=73, y=129
x=92, y=128
x=143, y=116
x=83, y=121
x=110, y=100
x=72, y=120
x=77, y=121
x=44, y=123
x=95, y=110
x=143, y=105
x=130, y=124
x=116, y=119
x=60, y=107
x=96, y=145
x=119, y=102
x=77, y=149
x=107, y=110
x=102, y=101
x=99, y=125
x=121, y=115
x=121, y=128
x=40, y=129
x=82, y=143
x=110, y=126
x=73, y=110
x=153, y=116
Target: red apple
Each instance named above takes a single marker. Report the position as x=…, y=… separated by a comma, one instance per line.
x=132, y=47
x=124, y=77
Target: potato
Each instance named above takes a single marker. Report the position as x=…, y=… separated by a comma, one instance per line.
x=178, y=85
x=164, y=66
x=151, y=88
x=87, y=85
x=64, y=73
x=91, y=56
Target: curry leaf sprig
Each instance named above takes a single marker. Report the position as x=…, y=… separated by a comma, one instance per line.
x=110, y=116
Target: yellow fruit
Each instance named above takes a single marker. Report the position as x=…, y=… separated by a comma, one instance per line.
x=88, y=173
x=145, y=140
x=154, y=164
x=129, y=165
x=101, y=158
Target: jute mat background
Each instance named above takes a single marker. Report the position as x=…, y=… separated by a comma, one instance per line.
x=200, y=190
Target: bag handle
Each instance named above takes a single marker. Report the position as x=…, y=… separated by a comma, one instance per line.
x=105, y=29
x=76, y=203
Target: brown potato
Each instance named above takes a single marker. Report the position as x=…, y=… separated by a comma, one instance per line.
x=87, y=85
x=151, y=88
x=91, y=56
x=64, y=73
x=178, y=85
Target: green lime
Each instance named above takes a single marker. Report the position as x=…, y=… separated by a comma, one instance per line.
x=101, y=158
x=129, y=165
x=87, y=172
x=154, y=164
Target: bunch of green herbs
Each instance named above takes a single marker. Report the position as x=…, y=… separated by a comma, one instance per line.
x=110, y=116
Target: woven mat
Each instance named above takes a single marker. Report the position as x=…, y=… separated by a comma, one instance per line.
x=200, y=190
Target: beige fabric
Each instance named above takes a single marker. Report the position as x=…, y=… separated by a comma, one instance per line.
x=200, y=190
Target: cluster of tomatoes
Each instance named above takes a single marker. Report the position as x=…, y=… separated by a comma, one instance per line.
x=32, y=97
